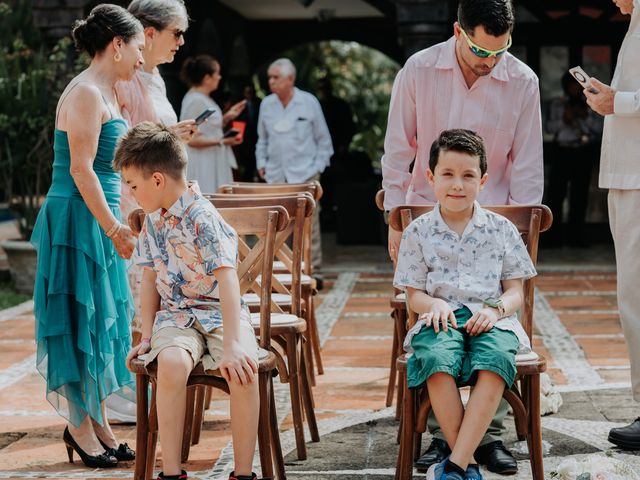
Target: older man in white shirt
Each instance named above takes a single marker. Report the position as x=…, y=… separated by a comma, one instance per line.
x=620, y=173
x=294, y=144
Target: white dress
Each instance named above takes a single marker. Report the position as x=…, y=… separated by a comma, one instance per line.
x=209, y=166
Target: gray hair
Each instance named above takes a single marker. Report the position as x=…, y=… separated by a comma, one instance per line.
x=160, y=14
x=286, y=66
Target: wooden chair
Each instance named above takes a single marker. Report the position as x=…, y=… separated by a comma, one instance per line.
x=308, y=283
x=287, y=325
x=398, y=304
x=265, y=223
x=525, y=398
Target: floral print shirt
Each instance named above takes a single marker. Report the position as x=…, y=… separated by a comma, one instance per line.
x=184, y=245
x=464, y=269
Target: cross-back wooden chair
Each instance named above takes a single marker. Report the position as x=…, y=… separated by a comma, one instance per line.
x=397, y=302
x=265, y=223
x=288, y=327
x=308, y=282
x=523, y=398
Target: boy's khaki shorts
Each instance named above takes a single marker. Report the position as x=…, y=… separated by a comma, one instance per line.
x=202, y=346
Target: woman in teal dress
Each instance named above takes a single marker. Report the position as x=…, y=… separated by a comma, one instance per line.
x=82, y=301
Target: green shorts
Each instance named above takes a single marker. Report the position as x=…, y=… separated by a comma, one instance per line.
x=460, y=355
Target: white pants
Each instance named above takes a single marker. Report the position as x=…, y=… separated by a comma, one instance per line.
x=624, y=206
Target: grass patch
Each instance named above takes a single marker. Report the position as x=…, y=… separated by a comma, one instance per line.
x=9, y=297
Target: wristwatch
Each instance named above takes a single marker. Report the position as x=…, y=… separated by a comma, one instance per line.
x=498, y=304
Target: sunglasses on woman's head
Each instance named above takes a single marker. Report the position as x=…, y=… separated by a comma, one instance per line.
x=483, y=52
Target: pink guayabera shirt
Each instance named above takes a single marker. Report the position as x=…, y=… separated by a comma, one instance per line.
x=430, y=95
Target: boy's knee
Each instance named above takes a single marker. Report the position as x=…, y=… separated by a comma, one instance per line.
x=174, y=365
x=247, y=389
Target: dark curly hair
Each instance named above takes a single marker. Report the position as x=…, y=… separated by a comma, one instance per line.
x=458, y=140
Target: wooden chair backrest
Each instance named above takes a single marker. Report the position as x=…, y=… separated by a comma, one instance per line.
x=299, y=207
x=265, y=223
x=530, y=221
x=313, y=187
x=267, y=200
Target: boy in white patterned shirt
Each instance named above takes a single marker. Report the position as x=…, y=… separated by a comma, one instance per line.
x=462, y=267
x=190, y=295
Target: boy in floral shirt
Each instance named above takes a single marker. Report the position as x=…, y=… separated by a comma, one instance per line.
x=190, y=296
x=462, y=267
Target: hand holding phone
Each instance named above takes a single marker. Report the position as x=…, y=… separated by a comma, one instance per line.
x=583, y=79
x=204, y=115
x=232, y=132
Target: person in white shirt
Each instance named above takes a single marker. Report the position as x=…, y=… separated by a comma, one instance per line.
x=294, y=145
x=620, y=173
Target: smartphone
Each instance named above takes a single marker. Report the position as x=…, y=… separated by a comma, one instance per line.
x=231, y=133
x=204, y=115
x=583, y=79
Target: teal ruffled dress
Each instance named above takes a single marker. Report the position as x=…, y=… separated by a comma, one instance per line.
x=83, y=305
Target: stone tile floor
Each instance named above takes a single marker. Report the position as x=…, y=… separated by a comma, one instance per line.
x=577, y=330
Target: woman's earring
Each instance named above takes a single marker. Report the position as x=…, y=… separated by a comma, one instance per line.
x=117, y=57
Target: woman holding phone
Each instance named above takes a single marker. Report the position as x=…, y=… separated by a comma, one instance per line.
x=211, y=158
x=82, y=302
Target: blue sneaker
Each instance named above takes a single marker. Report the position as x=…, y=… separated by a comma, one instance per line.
x=436, y=472
x=473, y=472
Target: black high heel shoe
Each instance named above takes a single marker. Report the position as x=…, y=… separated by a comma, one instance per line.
x=123, y=453
x=103, y=460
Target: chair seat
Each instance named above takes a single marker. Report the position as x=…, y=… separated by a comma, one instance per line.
x=279, y=266
x=281, y=323
x=286, y=278
x=252, y=299
x=266, y=363
x=398, y=301
x=526, y=364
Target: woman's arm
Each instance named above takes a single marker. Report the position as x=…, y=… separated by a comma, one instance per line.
x=84, y=112
x=233, y=112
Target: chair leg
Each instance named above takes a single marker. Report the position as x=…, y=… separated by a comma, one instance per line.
x=152, y=437
x=188, y=423
x=315, y=337
x=391, y=386
x=142, y=425
x=535, y=428
x=198, y=414
x=266, y=461
x=207, y=398
x=276, y=447
x=406, y=439
x=400, y=332
x=308, y=403
x=293, y=359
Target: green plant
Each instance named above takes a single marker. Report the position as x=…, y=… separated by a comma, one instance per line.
x=32, y=75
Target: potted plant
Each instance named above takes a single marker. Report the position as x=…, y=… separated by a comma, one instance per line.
x=31, y=77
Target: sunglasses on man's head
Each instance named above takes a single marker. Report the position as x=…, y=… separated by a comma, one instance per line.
x=483, y=52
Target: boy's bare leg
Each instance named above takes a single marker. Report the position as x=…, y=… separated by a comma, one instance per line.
x=481, y=408
x=245, y=411
x=174, y=366
x=447, y=405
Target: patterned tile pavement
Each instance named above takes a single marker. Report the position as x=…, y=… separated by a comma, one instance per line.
x=577, y=330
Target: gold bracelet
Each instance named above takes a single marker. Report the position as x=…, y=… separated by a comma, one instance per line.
x=114, y=229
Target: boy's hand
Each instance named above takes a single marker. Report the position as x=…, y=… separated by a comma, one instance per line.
x=438, y=316
x=237, y=366
x=481, y=321
x=140, y=349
